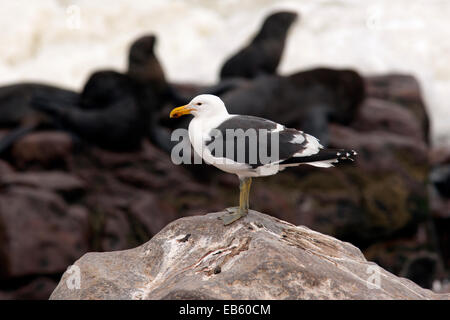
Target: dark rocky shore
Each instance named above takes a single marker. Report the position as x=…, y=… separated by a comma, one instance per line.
x=60, y=199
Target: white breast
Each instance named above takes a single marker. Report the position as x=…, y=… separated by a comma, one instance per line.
x=199, y=130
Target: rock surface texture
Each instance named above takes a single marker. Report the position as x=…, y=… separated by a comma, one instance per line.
x=258, y=257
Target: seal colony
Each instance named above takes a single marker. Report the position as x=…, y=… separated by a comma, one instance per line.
x=212, y=122
x=116, y=111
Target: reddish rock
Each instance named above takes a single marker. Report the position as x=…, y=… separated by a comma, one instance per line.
x=109, y=160
x=403, y=90
x=152, y=213
x=355, y=201
x=5, y=168
x=440, y=155
x=116, y=231
x=383, y=150
x=52, y=180
x=44, y=148
x=40, y=233
x=140, y=179
x=384, y=116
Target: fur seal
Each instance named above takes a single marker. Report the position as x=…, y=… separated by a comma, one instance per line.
x=15, y=101
x=307, y=100
x=112, y=122
x=264, y=52
x=115, y=110
x=16, y=111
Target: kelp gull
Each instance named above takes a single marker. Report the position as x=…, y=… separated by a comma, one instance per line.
x=236, y=144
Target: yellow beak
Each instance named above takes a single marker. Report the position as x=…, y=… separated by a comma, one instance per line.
x=180, y=111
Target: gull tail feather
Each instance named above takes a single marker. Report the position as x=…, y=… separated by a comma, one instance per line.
x=325, y=158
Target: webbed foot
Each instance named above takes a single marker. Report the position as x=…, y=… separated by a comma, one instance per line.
x=234, y=213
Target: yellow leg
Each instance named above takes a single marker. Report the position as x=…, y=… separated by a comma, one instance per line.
x=236, y=213
x=245, y=196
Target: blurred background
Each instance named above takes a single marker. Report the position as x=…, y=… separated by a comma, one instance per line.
x=85, y=91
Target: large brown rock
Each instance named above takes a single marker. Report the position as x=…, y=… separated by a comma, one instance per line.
x=5, y=168
x=51, y=180
x=384, y=116
x=39, y=233
x=258, y=257
x=403, y=90
x=46, y=148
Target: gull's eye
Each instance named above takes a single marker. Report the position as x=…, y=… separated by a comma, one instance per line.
x=198, y=103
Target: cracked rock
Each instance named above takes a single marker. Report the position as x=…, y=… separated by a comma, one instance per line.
x=276, y=260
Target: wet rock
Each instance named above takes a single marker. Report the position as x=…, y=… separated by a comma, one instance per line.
x=258, y=257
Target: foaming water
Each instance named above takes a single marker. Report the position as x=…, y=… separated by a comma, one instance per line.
x=61, y=41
